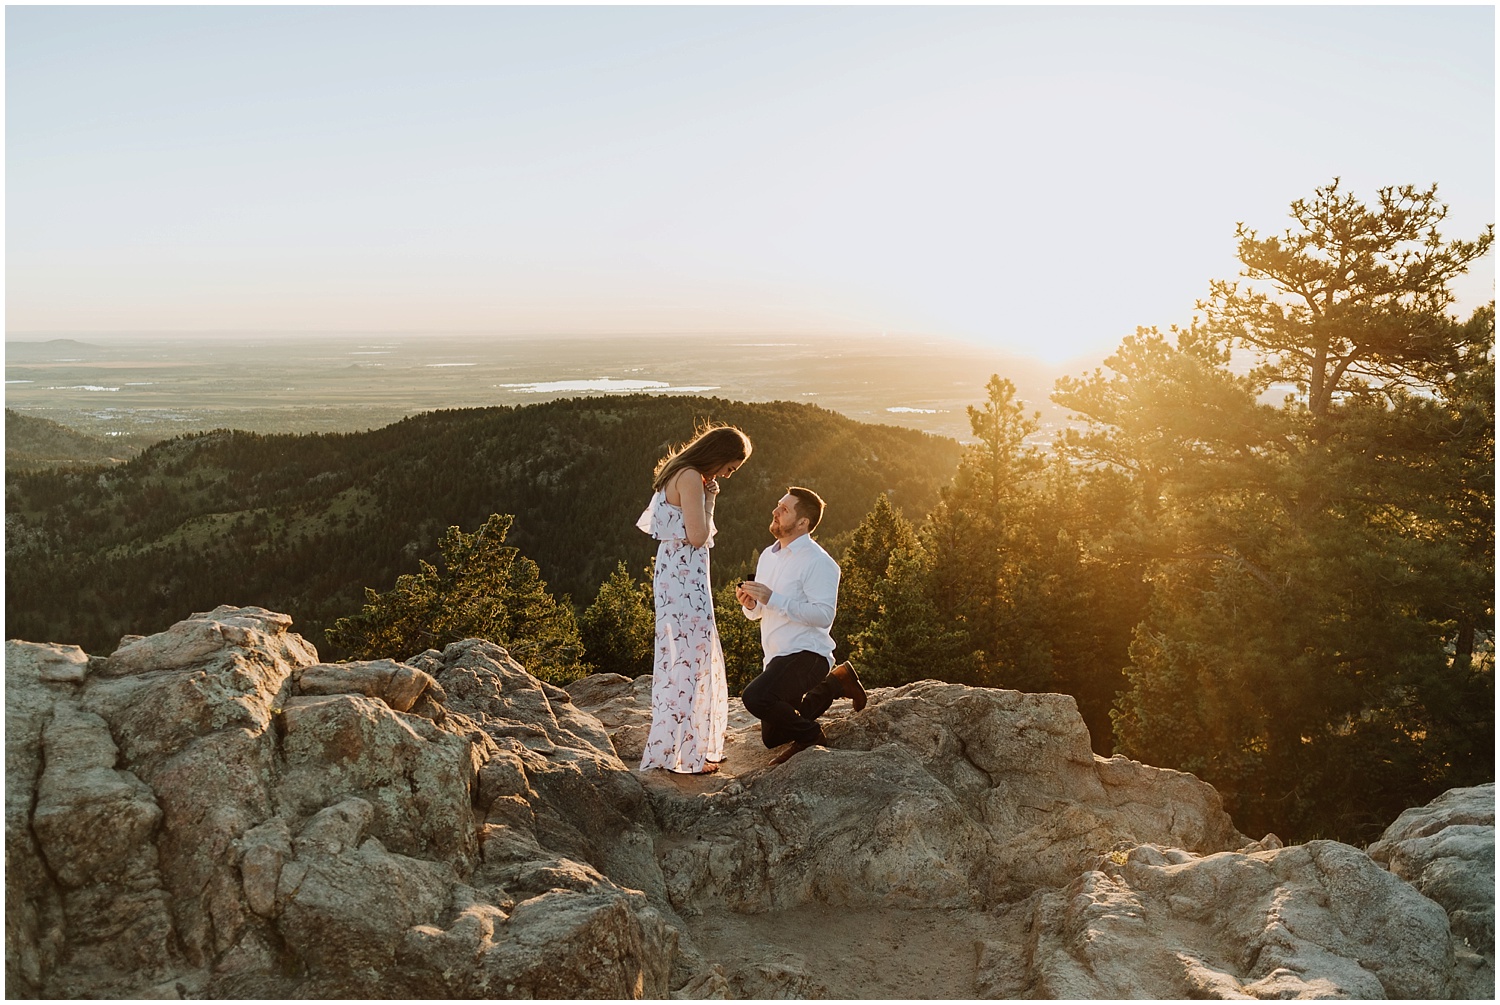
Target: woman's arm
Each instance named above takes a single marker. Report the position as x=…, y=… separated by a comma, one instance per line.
x=697, y=506
x=710, y=496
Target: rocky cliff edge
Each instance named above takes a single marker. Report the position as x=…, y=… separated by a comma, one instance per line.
x=212, y=812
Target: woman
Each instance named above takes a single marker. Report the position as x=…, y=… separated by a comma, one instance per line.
x=689, y=696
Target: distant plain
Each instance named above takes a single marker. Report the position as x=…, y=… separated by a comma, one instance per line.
x=166, y=384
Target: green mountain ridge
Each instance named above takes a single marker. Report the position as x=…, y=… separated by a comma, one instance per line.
x=303, y=523
x=33, y=442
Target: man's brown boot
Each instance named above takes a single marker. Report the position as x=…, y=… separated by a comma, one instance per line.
x=852, y=687
x=795, y=748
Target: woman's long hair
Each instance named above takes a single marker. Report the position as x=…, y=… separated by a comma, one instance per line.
x=708, y=451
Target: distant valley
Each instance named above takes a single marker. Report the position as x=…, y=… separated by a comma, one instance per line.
x=147, y=387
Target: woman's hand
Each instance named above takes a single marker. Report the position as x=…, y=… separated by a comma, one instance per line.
x=711, y=486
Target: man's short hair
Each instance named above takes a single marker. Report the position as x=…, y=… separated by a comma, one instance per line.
x=809, y=505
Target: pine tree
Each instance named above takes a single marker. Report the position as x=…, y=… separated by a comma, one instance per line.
x=483, y=589
x=909, y=638
x=619, y=627
x=864, y=563
x=974, y=536
x=1351, y=299
x=541, y=631
x=1315, y=579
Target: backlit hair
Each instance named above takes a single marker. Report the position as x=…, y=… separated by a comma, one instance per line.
x=708, y=451
x=809, y=505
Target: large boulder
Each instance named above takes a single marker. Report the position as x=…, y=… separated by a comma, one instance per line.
x=829, y=826
x=416, y=776
x=1021, y=766
x=343, y=902
x=170, y=740
x=1022, y=799
x=603, y=942
x=1320, y=920
x=212, y=811
x=395, y=684
x=1099, y=877
x=551, y=779
x=1446, y=850
x=37, y=677
x=193, y=709
x=96, y=829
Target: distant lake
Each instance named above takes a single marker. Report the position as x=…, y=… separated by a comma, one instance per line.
x=608, y=385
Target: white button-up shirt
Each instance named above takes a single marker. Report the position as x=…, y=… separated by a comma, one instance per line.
x=804, y=582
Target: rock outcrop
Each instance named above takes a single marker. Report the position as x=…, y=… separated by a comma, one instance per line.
x=936, y=795
x=1320, y=920
x=212, y=812
x=1446, y=850
x=1022, y=767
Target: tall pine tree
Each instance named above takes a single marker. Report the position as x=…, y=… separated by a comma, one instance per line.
x=483, y=589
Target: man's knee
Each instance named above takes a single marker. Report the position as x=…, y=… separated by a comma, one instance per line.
x=757, y=697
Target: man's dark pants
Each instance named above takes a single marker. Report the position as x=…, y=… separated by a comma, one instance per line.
x=789, y=695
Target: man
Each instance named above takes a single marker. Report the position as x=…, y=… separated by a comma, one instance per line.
x=793, y=596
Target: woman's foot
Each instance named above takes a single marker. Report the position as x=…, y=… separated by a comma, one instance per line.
x=709, y=767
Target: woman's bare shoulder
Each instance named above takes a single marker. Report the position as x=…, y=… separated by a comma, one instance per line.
x=686, y=483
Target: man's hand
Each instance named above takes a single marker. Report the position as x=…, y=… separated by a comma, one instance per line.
x=751, y=594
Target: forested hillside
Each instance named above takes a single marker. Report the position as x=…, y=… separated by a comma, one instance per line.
x=304, y=523
x=32, y=443
x=1292, y=600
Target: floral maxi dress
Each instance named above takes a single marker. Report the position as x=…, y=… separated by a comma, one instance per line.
x=689, y=695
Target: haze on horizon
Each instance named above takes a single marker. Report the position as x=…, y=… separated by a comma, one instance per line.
x=1038, y=181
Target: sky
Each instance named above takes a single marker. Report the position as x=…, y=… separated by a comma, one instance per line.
x=1035, y=180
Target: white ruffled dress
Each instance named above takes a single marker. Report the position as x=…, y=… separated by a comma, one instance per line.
x=689, y=694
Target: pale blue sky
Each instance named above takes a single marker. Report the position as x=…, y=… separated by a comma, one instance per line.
x=1040, y=180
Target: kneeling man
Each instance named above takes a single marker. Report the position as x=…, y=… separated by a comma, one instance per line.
x=793, y=596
